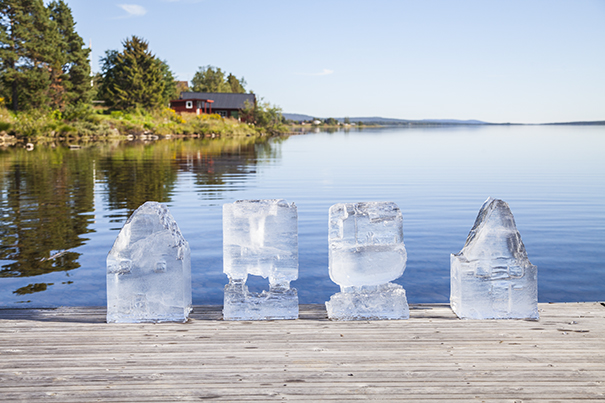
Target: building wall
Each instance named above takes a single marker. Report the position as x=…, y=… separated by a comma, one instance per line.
x=180, y=106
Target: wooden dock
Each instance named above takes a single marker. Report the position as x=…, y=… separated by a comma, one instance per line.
x=72, y=355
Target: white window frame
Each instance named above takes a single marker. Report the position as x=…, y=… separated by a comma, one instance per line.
x=189, y=104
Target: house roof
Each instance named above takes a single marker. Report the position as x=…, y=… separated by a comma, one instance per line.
x=222, y=100
x=191, y=99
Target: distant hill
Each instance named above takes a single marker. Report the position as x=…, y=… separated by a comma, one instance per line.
x=297, y=117
x=595, y=123
x=376, y=119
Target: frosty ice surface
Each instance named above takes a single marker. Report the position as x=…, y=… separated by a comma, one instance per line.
x=491, y=277
x=366, y=253
x=149, y=269
x=260, y=237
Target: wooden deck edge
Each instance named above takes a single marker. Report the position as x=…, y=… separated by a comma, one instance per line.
x=315, y=312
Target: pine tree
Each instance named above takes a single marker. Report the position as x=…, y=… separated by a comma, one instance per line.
x=25, y=52
x=44, y=64
x=72, y=57
x=107, y=77
x=170, y=85
x=133, y=78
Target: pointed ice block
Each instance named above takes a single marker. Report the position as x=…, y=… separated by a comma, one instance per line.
x=491, y=277
x=366, y=253
x=260, y=237
x=149, y=269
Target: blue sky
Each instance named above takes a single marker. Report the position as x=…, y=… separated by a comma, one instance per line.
x=497, y=61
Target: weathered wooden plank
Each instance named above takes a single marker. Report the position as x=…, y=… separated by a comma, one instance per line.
x=70, y=354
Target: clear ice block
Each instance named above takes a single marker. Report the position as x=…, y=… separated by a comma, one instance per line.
x=366, y=253
x=260, y=237
x=149, y=269
x=491, y=277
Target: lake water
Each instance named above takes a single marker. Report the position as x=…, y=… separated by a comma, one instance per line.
x=62, y=209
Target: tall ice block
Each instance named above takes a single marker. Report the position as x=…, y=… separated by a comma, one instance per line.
x=491, y=277
x=366, y=253
x=260, y=237
x=149, y=269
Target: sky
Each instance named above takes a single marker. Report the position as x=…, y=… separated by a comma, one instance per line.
x=516, y=61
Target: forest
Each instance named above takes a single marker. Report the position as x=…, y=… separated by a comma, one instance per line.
x=48, y=92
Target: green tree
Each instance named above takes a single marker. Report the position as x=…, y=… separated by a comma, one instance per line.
x=73, y=57
x=209, y=79
x=212, y=79
x=26, y=47
x=108, y=75
x=263, y=114
x=235, y=85
x=170, y=85
x=133, y=78
x=44, y=62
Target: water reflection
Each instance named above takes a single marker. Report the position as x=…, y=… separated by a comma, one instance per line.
x=223, y=165
x=47, y=208
x=57, y=205
x=47, y=196
x=135, y=173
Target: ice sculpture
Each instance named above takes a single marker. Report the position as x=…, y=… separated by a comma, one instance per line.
x=149, y=269
x=366, y=253
x=260, y=237
x=491, y=277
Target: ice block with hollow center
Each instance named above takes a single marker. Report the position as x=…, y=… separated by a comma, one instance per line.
x=260, y=237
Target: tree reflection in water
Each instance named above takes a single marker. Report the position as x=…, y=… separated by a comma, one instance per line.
x=223, y=166
x=47, y=206
x=47, y=195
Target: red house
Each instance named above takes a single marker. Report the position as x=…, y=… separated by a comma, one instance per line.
x=192, y=105
x=223, y=103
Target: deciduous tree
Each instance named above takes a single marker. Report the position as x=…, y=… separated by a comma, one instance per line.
x=262, y=114
x=235, y=85
x=212, y=79
x=209, y=79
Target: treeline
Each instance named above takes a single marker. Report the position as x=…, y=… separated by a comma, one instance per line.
x=135, y=78
x=44, y=64
x=46, y=82
x=213, y=79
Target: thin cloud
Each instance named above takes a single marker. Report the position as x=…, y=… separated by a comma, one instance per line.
x=133, y=10
x=324, y=72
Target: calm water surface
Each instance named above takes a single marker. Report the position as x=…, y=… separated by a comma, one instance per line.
x=62, y=209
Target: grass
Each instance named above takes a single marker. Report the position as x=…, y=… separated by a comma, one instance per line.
x=91, y=124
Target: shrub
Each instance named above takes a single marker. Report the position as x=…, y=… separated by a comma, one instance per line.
x=78, y=112
x=5, y=126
